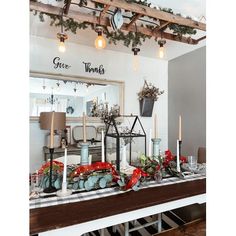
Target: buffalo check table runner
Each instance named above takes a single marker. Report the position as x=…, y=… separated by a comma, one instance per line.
x=46, y=200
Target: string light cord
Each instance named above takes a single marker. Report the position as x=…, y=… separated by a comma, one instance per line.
x=62, y=13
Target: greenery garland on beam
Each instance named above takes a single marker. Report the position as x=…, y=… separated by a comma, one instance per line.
x=131, y=38
x=180, y=30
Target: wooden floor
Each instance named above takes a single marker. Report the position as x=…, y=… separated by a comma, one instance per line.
x=169, y=220
x=194, y=228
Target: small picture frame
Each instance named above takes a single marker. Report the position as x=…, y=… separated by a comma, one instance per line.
x=68, y=128
x=90, y=105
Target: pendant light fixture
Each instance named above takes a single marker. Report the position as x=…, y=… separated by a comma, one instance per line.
x=44, y=86
x=62, y=37
x=75, y=89
x=87, y=86
x=161, y=51
x=136, y=63
x=61, y=46
x=100, y=42
x=136, y=50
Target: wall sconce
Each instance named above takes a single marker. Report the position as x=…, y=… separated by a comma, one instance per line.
x=161, y=52
x=136, y=59
x=100, y=42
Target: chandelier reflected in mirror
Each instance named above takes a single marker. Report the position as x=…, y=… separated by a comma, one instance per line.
x=52, y=100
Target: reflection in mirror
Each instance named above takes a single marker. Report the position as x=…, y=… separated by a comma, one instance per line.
x=74, y=97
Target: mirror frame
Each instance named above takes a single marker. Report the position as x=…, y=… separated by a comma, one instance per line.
x=121, y=85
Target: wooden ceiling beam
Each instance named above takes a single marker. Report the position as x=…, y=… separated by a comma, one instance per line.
x=151, y=12
x=105, y=21
x=134, y=18
x=102, y=14
x=67, y=6
x=162, y=26
x=200, y=39
x=38, y=6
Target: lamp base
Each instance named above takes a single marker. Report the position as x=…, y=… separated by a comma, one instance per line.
x=50, y=189
x=64, y=193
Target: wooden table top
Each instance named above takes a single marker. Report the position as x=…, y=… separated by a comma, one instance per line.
x=54, y=217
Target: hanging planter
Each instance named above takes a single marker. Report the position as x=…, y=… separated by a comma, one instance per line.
x=146, y=106
x=147, y=96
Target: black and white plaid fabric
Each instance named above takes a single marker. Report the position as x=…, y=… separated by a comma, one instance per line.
x=46, y=200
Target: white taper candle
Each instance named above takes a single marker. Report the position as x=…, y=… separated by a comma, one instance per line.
x=155, y=126
x=64, y=183
x=177, y=157
x=84, y=128
x=65, y=164
x=123, y=160
x=103, y=154
x=52, y=131
x=150, y=143
x=180, y=128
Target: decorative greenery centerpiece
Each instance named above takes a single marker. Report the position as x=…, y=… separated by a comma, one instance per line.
x=103, y=174
x=91, y=177
x=163, y=165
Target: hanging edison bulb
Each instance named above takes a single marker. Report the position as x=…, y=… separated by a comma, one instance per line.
x=136, y=63
x=100, y=42
x=161, y=51
x=61, y=46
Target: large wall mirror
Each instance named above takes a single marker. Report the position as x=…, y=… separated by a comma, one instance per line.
x=74, y=95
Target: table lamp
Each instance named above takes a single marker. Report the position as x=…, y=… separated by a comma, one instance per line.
x=52, y=121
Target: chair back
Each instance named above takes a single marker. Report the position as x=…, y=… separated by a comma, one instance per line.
x=201, y=155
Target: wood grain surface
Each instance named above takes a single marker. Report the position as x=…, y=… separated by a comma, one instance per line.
x=193, y=228
x=54, y=217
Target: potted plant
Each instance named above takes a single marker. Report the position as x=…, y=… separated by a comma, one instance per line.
x=147, y=96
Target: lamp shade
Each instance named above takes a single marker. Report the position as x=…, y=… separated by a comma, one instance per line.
x=55, y=119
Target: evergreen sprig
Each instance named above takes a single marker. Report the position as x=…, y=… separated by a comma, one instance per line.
x=131, y=38
x=68, y=24
x=180, y=30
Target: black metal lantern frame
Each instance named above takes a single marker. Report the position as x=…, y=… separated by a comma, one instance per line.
x=112, y=122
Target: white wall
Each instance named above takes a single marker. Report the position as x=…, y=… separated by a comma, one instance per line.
x=118, y=66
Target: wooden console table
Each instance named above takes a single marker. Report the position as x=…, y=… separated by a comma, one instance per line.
x=94, y=150
x=77, y=218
